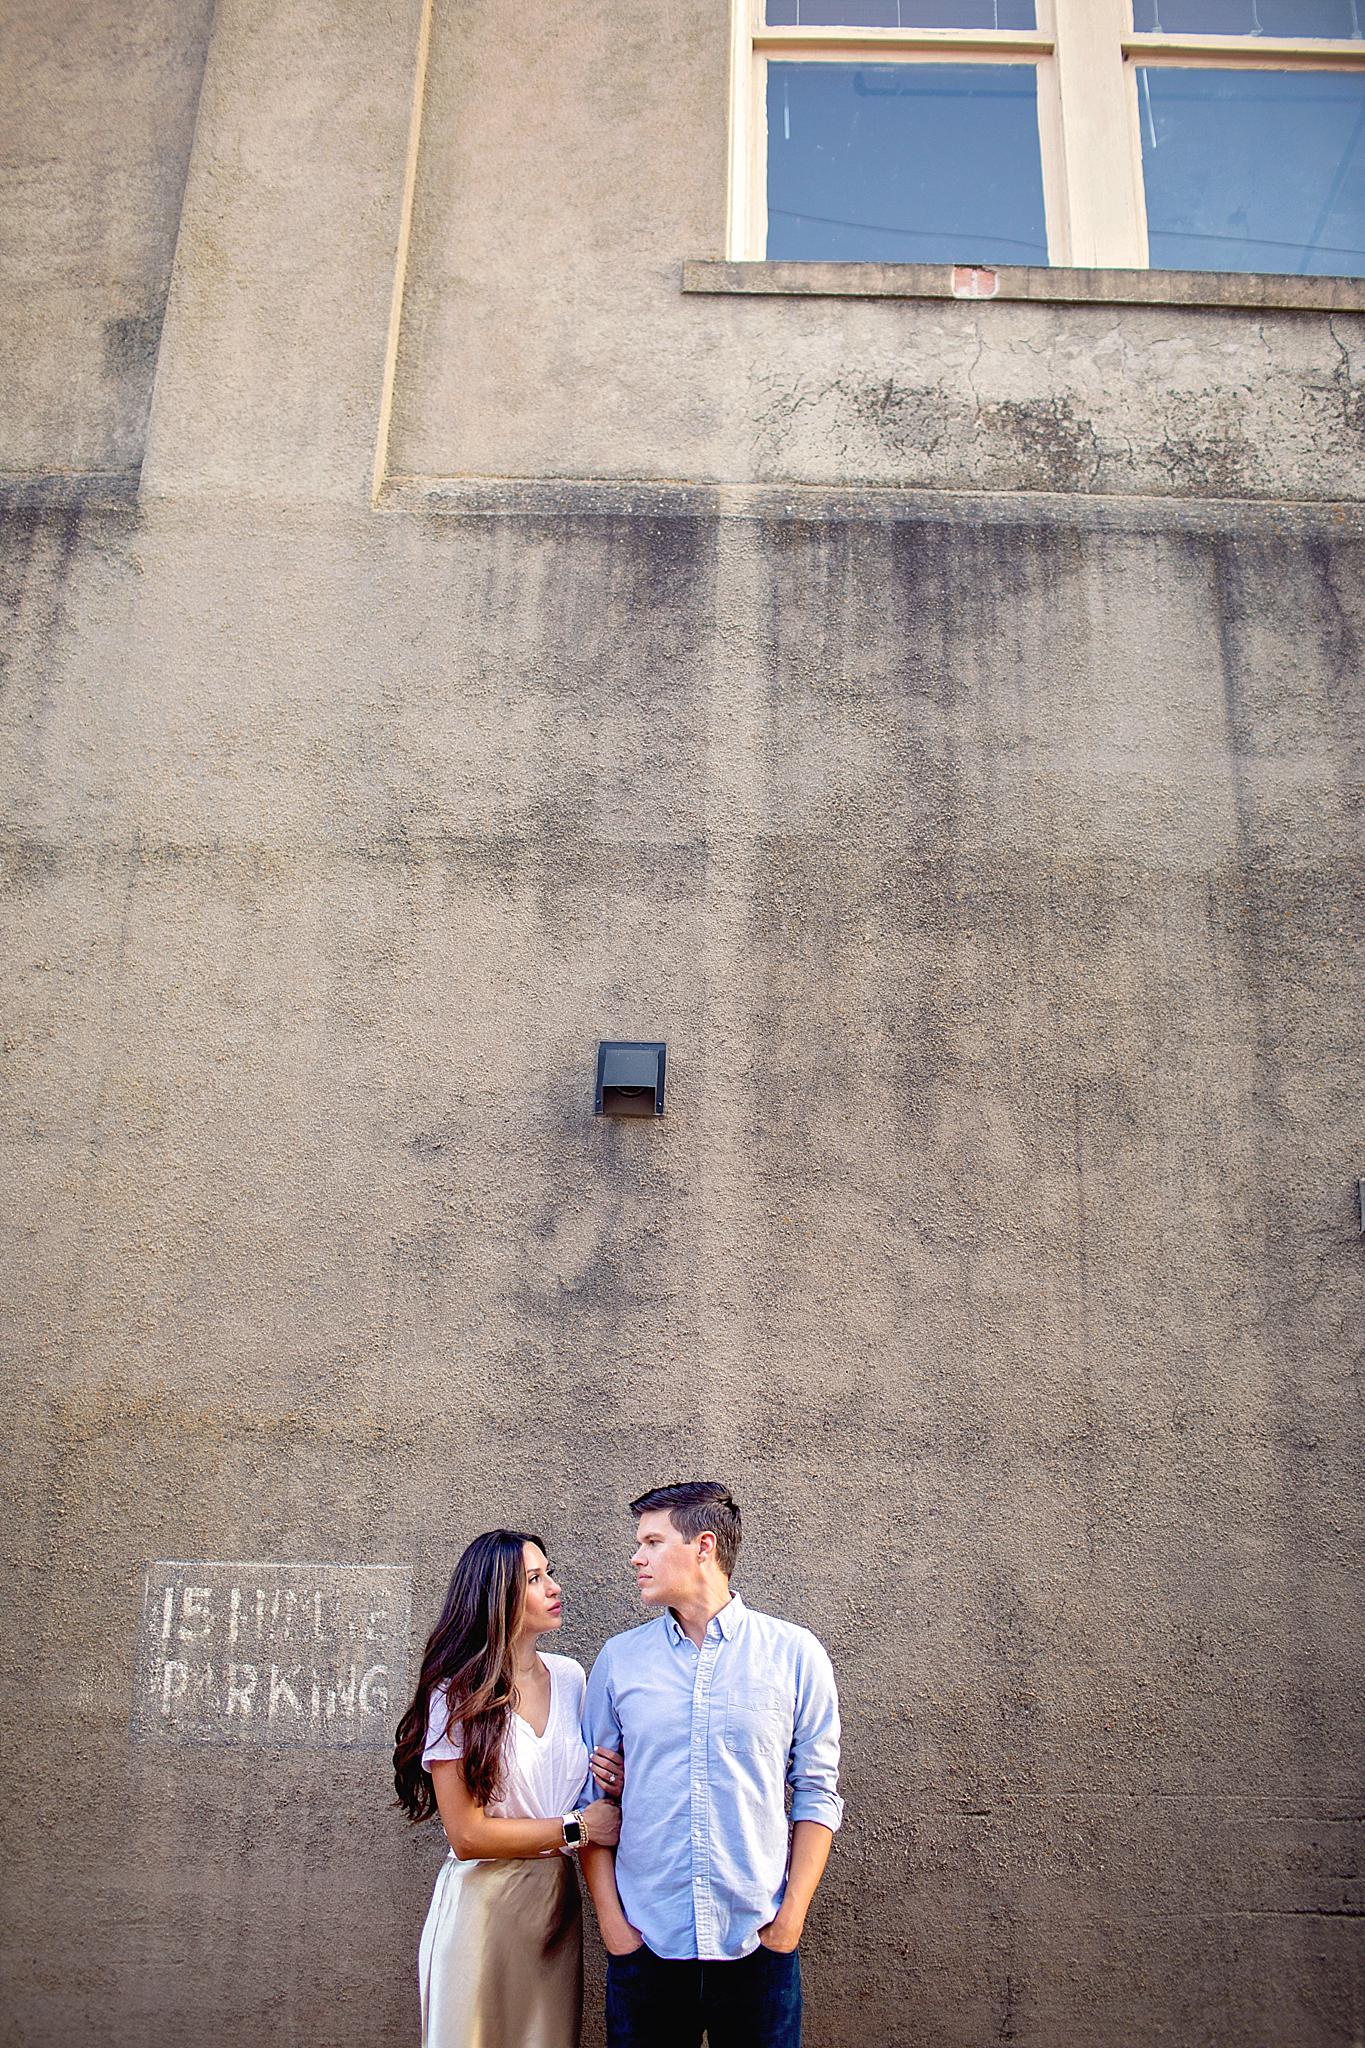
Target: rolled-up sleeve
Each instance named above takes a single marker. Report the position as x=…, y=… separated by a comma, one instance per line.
x=813, y=1766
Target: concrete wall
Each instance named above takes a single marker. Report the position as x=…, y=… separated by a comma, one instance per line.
x=95, y=133
x=991, y=866
x=571, y=160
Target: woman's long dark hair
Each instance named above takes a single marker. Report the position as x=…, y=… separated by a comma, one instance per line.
x=470, y=1650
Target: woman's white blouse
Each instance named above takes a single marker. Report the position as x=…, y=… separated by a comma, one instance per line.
x=542, y=1775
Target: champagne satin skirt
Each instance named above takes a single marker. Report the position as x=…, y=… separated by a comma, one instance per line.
x=501, y=1956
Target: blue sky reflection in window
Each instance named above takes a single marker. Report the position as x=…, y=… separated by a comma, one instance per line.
x=1254, y=170
x=1298, y=20
x=904, y=163
x=901, y=14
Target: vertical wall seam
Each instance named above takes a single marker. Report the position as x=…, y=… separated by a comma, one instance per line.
x=190, y=161
x=400, y=266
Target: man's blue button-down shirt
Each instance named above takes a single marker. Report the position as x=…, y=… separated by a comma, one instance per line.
x=713, y=1739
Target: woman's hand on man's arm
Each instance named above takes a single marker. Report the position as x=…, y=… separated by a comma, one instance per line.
x=603, y=1823
x=609, y=1769
x=475, y=1835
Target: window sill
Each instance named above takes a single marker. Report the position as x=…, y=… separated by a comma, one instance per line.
x=1249, y=290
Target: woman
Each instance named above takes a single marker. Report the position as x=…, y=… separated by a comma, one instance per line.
x=492, y=1742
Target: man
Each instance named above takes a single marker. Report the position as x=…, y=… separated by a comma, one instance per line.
x=718, y=1710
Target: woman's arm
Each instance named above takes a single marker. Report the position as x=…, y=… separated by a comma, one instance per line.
x=474, y=1834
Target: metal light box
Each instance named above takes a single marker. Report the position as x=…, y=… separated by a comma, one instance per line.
x=630, y=1077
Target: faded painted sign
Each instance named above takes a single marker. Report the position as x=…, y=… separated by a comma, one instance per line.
x=273, y=1653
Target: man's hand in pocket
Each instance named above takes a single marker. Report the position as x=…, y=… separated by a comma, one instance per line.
x=780, y=1935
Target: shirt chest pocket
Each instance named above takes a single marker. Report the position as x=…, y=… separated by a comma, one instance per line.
x=758, y=1719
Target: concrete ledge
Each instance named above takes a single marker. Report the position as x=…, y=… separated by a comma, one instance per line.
x=1246, y=290
x=46, y=489
x=559, y=498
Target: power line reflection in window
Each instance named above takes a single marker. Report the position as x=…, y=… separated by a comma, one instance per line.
x=904, y=163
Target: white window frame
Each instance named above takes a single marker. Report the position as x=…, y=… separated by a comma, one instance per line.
x=1086, y=56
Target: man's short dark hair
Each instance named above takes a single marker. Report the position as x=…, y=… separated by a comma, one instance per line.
x=694, y=1505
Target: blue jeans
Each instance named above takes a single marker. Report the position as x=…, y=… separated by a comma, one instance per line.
x=653, y=2002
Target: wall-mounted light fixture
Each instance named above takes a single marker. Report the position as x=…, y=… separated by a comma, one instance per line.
x=630, y=1077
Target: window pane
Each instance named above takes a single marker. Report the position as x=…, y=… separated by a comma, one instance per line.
x=1305, y=19
x=1254, y=170
x=902, y=14
x=904, y=163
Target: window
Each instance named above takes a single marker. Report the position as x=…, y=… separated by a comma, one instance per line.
x=1185, y=134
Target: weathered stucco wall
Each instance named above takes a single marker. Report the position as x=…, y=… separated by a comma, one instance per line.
x=996, y=890
x=95, y=131
x=991, y=865
x=572, y=160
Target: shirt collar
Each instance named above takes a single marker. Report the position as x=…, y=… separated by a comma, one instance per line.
x=724, y=1623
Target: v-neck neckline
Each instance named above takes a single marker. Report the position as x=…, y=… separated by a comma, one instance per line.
x=550, y=1710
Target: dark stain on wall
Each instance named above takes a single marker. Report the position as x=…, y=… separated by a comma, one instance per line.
x=119, y=158
x=130, y=345
x=905, y=419
x=1041, y=444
